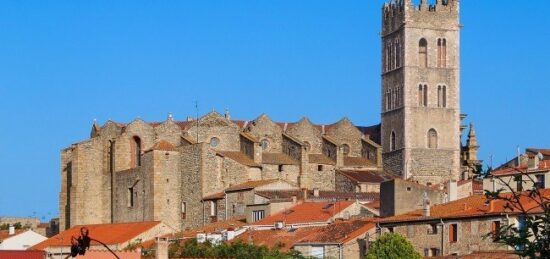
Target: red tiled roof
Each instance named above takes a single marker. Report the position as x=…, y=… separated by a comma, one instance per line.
x=369, y=176
x=21, y=254
x=544, y=165
x=107, y=233
x=357, y=162
x=321, y=159
x=473, y=206
x=286, y=195
x=374, y=204
x=215, y=196
x=274, y=237
x=250, y=185
x=163, y=145
x=307, y=212
x=239, y=157
x=339, y=232
x=278, y=159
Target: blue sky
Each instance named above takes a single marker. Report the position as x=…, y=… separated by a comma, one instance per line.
x=65, y=63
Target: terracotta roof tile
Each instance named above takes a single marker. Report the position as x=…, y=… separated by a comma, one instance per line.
x=307, y=212
x=274, y=237
x=357, y=162
x=163, y=145
x=321, y=159
x=286, y=195
x=374, y=204
x=473, y=206
x=250, y=185
x=215, y=196
x=22, y=254
x=339, y=232
x=107, y=233
x=278, y=159
x=239, y=157
x=366, y=176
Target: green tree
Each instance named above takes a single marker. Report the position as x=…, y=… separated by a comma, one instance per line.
x=394, y=246
x=238, y=250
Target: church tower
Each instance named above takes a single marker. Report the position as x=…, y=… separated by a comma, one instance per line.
x=420, y=89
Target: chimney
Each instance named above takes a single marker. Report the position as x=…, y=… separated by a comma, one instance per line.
x=534, y=161
x=491, y=206
x=162, y=248
x=304, y=194
x=294, y=199
x=426, y=205
x=452, y=190
x=11, y=230
x=315, y=192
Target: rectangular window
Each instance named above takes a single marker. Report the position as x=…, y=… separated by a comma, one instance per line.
x=519, y=183
x=495, y=226
x=453, y=233
x=540, y=181
x=130, y=197
x=183, y=210
x=280, y=168
x=213, y=208
x=432, y=230
x=320, y=168
x=390, y=229
x=258, y=215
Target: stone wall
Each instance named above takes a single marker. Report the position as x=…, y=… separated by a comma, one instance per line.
x=289, y=173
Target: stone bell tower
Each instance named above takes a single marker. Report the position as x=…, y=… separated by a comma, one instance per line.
x=420, y=89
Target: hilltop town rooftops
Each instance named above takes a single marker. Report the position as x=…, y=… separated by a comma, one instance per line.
x=286, y=238
x=473, y=206
x=116, y=233
x=307, y=212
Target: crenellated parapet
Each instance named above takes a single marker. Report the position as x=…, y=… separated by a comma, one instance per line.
x=396, y=13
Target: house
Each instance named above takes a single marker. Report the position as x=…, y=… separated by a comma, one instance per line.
x=458, y=227
x=309, y=214
x=359, y=180
x=20, y=239
x=524, y=172
x=342, y=239
x=116, y=236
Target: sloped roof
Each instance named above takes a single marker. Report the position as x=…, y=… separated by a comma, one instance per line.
x=473, y=206
x=5, y=234
x=364, y=176
x=22, y=254
x=283, y=195
x=357, y=162
x=215, y=196
x=250, y=185
x=307, y=212
x=339, y=232
x=321, y=159
x=273, y=237
x=239, y=157
x=163, y=145
x=107, y=233
x=278, y=159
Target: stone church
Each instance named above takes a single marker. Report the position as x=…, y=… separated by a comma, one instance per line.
x=141, y=171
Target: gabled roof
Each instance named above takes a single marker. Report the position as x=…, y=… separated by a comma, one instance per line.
x=364, y=176
x=275, y=237
x=278, y=159
x=307, y=212
x=321, y=159
x=238, y=157
x=473, y=206
x=250, y=185
x=109, y=234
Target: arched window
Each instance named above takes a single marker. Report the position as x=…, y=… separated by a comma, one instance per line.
x=387, y=59
x=422, y=95
x=214, y=142
x=444, y=95
x=388, y=101
x=137, y=151
x=264, y=144
x=432, y=138
x=441, y=53
x=439, y=96
x=423, y=53
x=345, y=149
x=397, y=53
x=392, y=141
